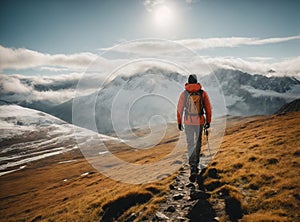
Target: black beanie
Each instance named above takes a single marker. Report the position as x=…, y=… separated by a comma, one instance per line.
x=192, y=79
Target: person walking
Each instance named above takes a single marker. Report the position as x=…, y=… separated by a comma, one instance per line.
x=194, y=106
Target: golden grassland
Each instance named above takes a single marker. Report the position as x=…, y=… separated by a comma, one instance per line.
x=258, y=172
x=258, y=167
x=48, y=191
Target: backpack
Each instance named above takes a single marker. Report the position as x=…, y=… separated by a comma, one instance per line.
x=193, y=103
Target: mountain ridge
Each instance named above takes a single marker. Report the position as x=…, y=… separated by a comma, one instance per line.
x=244, y=94
x=293, y=106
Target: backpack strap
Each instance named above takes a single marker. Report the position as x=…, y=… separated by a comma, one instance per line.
x=186, y=94
x=201, y=102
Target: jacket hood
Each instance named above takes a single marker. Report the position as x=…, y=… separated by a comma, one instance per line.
x=194, y=87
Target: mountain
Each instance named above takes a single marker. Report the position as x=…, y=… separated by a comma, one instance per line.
x=247, y=94
x=293, y=106
x=28, y=135
x=131, y=101
x=126, y=101
x=62, y=111
x=149, y=97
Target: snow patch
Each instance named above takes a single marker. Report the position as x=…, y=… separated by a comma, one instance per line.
x=28, y=135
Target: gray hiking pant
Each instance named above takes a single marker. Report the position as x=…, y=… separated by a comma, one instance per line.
x=194, y=142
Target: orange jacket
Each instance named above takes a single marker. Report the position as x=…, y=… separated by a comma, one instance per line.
x=194, y=120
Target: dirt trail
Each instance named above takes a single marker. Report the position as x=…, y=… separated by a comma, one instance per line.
x=189, y=201
x=254, y=176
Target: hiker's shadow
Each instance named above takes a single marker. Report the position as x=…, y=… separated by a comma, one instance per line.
x=202, y=210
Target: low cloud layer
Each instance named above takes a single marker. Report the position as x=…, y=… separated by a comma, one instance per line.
x=264, y=66
x=24, y=59
x=60, y=87
x=12, y=84
x=55, y=89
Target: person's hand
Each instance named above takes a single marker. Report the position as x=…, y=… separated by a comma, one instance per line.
x=180, y=127
x=206, y=126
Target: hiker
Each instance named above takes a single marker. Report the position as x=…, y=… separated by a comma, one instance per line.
x=195, y=105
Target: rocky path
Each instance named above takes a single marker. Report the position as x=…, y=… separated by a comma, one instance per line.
x=190, y=201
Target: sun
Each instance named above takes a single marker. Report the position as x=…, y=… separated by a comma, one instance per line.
x=163, y=16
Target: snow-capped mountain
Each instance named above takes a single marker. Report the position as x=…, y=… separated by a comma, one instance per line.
x=247, y=94
x=28, y=135
x=129, y=101
x=139, y=99
x=244, y=95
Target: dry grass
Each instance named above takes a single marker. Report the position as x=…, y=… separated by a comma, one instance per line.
x=258, y=164
x=257, y=180
x=41, y=193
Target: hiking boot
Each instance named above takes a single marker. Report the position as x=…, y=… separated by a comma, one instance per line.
x=194, y=170
x=194, y=173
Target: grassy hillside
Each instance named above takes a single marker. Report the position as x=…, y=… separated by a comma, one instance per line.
x=57, y=189
x=254, y=177
x=258, y=169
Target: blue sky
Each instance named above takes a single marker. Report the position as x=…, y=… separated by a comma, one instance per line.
x=73, y=27
x=60, y=26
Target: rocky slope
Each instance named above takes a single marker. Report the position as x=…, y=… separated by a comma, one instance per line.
x=247, y=94
x=293, y=106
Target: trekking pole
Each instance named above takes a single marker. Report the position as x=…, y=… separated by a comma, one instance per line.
x=206, y=134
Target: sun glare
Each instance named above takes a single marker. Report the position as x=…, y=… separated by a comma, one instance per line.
x=163, y=16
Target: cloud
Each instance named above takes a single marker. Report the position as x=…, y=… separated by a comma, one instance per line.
x=53, y=69
x=145, y=47
x=12, y=84
x=60, y=88
x=261, y=59
x=286, y=67
x=151, y=4
x=260, y=65
x=21, y=58
x=54, y=89
x=55, y=97
x=16, y=88
x=162, y=46
x=289, y=66
x=24, y=59
x=237, y=64
x=273, y=40
x=199, y=44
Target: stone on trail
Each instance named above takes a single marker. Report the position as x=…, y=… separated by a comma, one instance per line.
x=171, y=209
x=171, y=187
x=177, y=197
x=161, y=216
x=191, y=185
